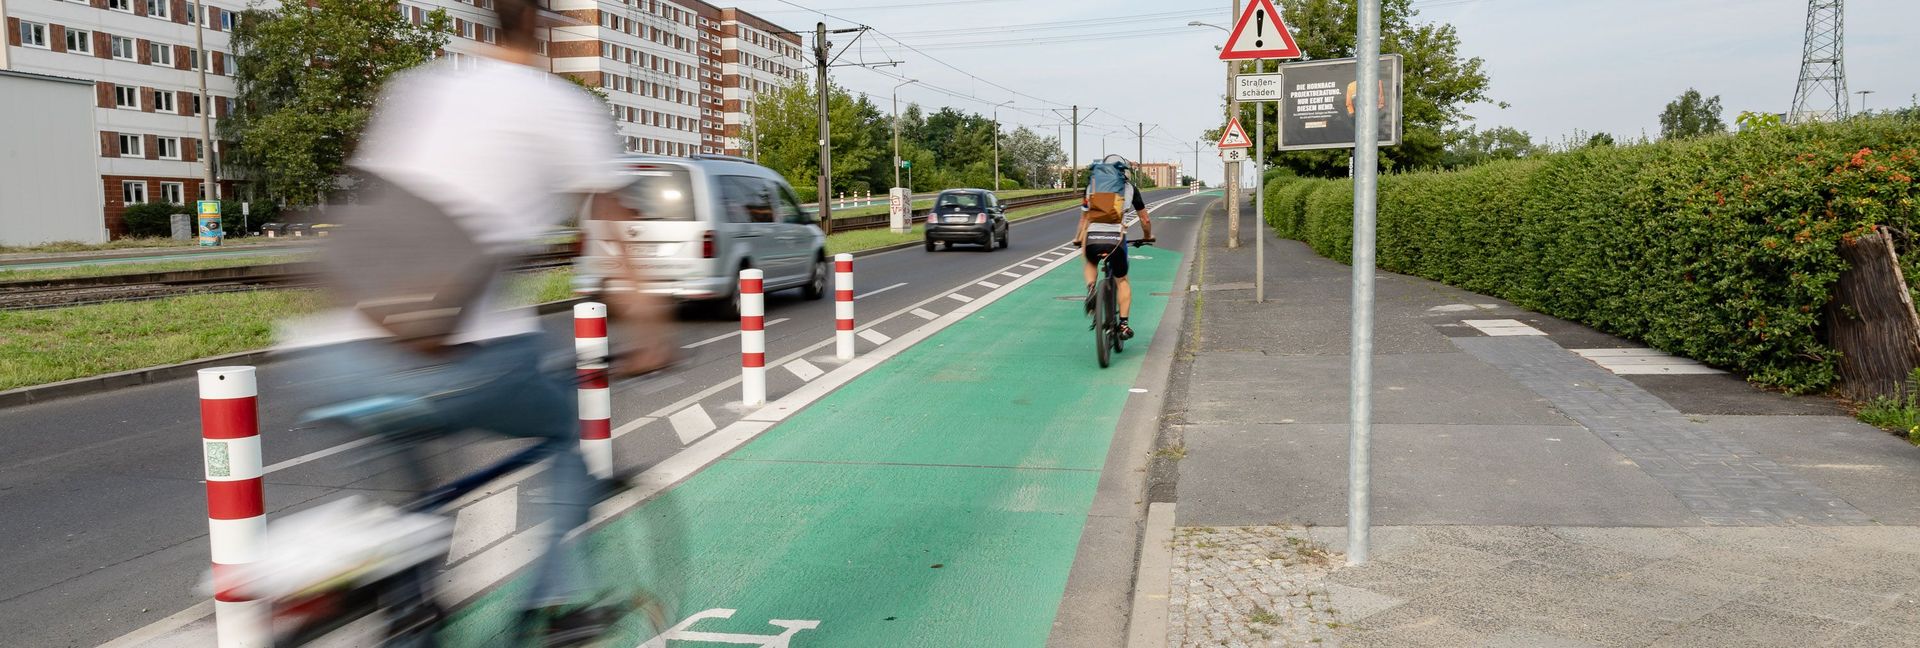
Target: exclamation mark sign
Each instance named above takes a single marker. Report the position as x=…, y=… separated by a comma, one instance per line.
x=1259, y=27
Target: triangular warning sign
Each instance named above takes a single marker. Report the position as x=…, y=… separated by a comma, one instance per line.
x=1260, y=34
x=1234, y=136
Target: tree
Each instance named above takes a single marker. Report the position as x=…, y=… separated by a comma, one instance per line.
x=1600, y=140
x=1440, y=83
x=1691, y=115
x=306, y=78
x=1188, y=181
x=1029, y=157
x=1753, y=121
x=788, y=128
x=1469, y=147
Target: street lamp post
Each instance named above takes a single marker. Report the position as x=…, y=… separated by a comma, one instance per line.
x=996, y=143
x=896, y=129
x=1232, y=170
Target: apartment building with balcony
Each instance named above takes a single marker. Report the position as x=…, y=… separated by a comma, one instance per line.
x=757, y=57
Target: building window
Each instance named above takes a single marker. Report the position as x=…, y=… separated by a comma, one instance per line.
x=123, y=49
x=120, y=5
x=126, y=97
x=540, y=46
x=168, y=148
x=79, y=41
x=226, y=62
x=159, y=9
x=467, y=30
x=163, y=101
x=173, y=193
x=160, y=54
x=130, y=146
x=33, y=34
x=196, y=103
x=193, y=57
x=228, y=20
x=133, y=192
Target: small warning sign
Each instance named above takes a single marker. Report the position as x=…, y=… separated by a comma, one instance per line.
x=1234, y=136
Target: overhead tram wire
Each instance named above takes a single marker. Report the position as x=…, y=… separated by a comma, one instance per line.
x=1042, y=40
x=1058, y=24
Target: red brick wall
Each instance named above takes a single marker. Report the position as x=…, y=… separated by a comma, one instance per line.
x=565, y=49
x=116, y=205
x=13, y=32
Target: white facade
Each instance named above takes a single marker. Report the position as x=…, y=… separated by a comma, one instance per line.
x=48, y=188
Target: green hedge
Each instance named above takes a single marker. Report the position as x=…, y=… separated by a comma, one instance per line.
x=1720, y=249
x=152, y=219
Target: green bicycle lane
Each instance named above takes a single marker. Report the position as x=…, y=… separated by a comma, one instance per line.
x=936, y=500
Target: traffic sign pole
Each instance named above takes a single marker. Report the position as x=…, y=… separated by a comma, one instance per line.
x=1260, y=195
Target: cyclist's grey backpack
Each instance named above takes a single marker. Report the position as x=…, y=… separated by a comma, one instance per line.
x=405, y=263
x=1109, y=193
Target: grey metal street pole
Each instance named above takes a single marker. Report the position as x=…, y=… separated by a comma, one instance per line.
x=825, y=183
x=1260, y=194
x=1366, y=160
x=896, y=129
x=996, y=143
x=210, y=187
x=1232, y=168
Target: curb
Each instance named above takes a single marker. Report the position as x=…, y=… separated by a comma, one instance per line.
x=1154, y=585
x=136, y=377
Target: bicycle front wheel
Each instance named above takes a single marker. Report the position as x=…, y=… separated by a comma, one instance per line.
x=1103, y=321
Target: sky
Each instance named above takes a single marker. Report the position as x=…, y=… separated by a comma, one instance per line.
x=1561, y=66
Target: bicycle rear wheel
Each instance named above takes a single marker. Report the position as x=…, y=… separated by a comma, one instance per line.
x=1113, y=315
x=1103, y=321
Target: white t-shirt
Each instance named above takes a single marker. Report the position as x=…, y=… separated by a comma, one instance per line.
x=506, y=147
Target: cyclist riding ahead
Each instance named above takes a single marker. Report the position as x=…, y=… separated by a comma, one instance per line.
x=1110, y=207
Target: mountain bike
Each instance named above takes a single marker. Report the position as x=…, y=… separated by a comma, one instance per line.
x=1106, y=308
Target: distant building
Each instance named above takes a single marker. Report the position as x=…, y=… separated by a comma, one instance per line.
x=1164, y=174
x=49, y=190
x=681, y=76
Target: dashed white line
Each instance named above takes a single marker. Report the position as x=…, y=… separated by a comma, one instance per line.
x=804, y=370
x=875, y=337
x=632, y=425
x=319, y=454
x=1009, y=275
x=924, y=314
x=1029, y=266
x=959, y=298
x=871, y=293
x=691, y=423
x=729, y=334
x=988, y=284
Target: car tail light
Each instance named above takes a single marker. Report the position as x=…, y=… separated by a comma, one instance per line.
x=982, y=219
x=706, y=245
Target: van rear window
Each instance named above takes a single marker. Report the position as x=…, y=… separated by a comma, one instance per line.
x=659, y=193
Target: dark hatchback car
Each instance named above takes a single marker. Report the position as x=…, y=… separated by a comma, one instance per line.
x=967, y=216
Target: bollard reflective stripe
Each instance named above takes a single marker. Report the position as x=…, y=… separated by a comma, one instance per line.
x=591, y=349
x=753, y=339
x=236, y=502
x=843, y=306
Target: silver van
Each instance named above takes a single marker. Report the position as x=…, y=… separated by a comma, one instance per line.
x=702, y=220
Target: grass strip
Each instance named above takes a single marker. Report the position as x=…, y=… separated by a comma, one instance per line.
x=51, y=345
x=131, y=243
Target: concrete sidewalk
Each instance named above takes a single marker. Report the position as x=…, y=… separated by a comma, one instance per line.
x=1536, y=482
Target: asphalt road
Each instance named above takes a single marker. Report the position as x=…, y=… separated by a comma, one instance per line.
x=103, y=498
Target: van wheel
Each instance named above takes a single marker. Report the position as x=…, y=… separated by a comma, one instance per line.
x=816, y=286
x=929, y=245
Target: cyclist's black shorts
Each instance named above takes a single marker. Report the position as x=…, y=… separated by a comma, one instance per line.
x=1100, y=244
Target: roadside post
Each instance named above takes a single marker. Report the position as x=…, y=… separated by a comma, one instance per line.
x=1268, y=38
x=590, y=350
x=236, y=505
x=1365, y=192
x=899, y=216
x=753, y=339
x=843, y=306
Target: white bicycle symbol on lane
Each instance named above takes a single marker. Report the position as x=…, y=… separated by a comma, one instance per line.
x=681, y=632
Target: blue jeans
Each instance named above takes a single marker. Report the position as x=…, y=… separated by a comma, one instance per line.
x=495, y=386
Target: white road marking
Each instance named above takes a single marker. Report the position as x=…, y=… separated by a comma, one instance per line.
x=865, y=295
x=691, y=423
x=1502, y=327
x=925, y=314
x=683, y=631
x=632, y=425
x=875, y=337
x=804, y=370
x=959, y=298
x=319, y=454
x=1009, y=275
x=988, y=284
x=729, y=334
x=1029, y=266
x=487, y=521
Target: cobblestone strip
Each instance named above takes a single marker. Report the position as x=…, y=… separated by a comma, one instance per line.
x=1249, y=586
x=1722, y=481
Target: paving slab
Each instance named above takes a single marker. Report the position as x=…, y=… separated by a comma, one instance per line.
x=1408, y=388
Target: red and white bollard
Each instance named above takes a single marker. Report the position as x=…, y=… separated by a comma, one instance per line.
x=591, y=349
x=753, y=339
x=236, y=506
x=843, y=306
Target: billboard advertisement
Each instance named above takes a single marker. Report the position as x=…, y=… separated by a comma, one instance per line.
x=1317, y=109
